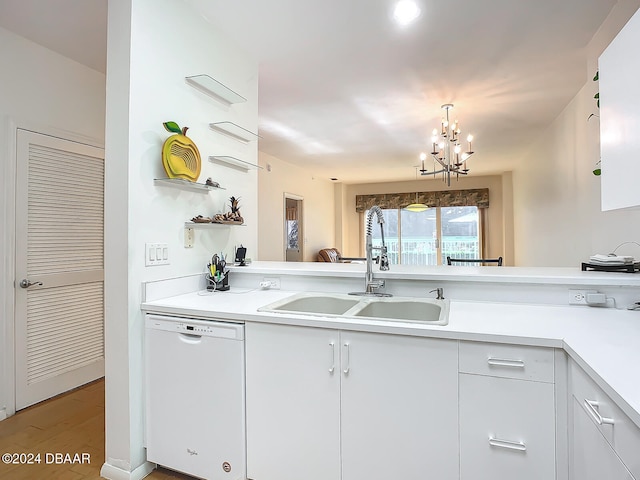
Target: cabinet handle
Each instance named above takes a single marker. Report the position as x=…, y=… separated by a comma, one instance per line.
x=332, y=345
x=347, y=359
x=592, y=408
x=508, y=444
x=505, y=362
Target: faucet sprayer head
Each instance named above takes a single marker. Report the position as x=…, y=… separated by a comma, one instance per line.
x=378, y=212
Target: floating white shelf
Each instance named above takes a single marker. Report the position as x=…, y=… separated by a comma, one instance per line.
x=234, y=131
x=233, y=162
x=185, y=185
x=211, y=225
x=215, y=89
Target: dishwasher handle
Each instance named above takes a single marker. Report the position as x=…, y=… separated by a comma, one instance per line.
x=190, y=338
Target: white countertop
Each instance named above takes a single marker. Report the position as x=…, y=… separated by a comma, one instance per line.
x=523, y=275
x=603, y=341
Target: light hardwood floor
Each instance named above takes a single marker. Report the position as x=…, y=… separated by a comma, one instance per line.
x=67, y=424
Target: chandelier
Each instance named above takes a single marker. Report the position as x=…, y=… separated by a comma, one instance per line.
x=448, y=157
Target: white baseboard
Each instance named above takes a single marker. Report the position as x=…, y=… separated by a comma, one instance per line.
x=110, y=472
x=3, y=414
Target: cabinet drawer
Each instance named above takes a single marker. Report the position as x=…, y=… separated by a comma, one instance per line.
x=507, y=361
x=621, y=433
x=507, y=429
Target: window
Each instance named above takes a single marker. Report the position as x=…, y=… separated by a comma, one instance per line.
x=427, y=238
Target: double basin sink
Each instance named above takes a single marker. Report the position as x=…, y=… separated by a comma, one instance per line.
x=404, y=309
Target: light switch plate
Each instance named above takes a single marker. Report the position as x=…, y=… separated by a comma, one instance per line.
x=156, y=254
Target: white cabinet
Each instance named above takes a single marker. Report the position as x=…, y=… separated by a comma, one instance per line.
x=507, y=429
x=293, y=403
x=602, y=437
x=330, y=405
x=507, y=412
x=399, y=409
x=519, y=362
x=592, y=458
x=620, y=118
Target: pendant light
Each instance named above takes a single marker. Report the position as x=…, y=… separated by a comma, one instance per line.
x=417, y=206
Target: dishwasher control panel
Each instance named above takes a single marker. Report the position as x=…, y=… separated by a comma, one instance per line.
x=189, y=328
x=232, y=331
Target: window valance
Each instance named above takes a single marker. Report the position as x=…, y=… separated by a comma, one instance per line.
x=448, y=198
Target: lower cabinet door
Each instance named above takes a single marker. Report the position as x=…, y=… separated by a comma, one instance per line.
x=507, y=429
x=399, y=407
x=592, y=458
x=293, y=403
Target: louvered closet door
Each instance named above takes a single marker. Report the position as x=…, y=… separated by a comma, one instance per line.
x=59, y=325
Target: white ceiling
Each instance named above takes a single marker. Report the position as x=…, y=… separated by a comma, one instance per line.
x=348, y=94
x=74, y=28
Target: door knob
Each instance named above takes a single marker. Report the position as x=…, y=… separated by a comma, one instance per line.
x=26, y=283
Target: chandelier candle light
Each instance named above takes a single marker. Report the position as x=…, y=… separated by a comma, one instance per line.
x=447, y=151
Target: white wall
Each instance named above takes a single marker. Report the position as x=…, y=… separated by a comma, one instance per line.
x=47, y=92
x=558, y=221
x=557, y=198
x=318, y=206
x=555, y=191
x=165, y=40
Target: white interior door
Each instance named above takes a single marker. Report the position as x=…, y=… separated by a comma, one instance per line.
x=59, y=314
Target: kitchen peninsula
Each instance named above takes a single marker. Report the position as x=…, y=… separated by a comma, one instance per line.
x=516, y=369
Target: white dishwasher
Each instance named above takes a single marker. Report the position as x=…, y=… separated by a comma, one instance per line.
x=195, y=396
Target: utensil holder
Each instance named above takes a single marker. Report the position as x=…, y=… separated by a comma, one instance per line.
x=218, y=286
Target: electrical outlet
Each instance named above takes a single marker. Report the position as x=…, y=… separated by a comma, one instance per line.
x=274, y=282
x=579, y=297
x=189, y=237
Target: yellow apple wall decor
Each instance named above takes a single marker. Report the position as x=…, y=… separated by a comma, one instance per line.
x=180, y=156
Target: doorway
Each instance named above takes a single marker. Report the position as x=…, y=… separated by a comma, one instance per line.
x=293, y=229
x=59, y=266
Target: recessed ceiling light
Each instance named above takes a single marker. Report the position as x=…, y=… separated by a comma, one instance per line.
x=405, y=12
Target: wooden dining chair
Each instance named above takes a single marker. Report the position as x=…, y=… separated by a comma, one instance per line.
x=475, y=261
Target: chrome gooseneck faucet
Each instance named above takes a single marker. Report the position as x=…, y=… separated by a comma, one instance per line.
x=371, y=284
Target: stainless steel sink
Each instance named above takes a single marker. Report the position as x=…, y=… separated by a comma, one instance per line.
x=312, y=304
x=405, y=309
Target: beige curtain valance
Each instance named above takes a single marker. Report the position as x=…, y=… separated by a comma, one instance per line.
x=448, y=198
